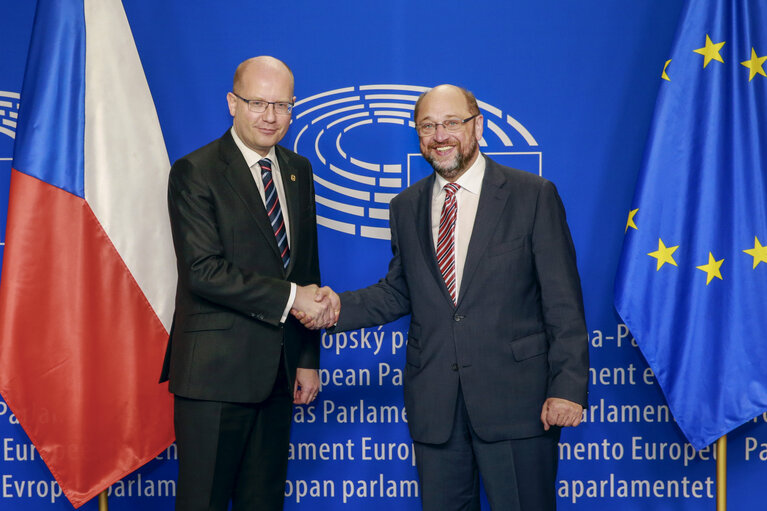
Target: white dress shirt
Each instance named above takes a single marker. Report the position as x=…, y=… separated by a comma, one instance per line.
x=467, y=199
x=252, y=158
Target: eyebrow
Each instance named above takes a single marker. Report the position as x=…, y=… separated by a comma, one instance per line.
x=448, y=118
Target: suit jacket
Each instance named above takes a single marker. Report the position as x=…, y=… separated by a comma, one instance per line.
x=226, y=339
x=517, y=335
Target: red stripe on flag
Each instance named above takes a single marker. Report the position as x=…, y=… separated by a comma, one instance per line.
x=80, y=346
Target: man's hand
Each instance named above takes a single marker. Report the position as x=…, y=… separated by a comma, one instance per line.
x=307, y=386
x=333, y=301
x=326, y=298
x=560, y=412
x=311, y=312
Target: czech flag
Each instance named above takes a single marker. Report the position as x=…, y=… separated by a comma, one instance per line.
x=88, y=275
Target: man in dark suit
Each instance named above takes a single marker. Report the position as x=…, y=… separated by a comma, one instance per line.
x=244, y=229
x=497, y=353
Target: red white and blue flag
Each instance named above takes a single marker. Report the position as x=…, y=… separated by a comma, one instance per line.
x=88, y=274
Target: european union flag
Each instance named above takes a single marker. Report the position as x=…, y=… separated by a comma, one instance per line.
x=691, y=285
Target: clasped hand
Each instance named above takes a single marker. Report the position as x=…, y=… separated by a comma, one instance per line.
x=560, y=412
x=316, y=307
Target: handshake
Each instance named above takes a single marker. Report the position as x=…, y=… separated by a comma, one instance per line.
x=316, y=307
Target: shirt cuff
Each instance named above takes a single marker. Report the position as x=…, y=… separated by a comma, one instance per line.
x=289, y=305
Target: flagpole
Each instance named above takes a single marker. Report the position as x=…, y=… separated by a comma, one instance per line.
x=103, y=504
x=721, y=473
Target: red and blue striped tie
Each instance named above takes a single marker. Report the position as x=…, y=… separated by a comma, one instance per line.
x=446, y=238
x=272, y=202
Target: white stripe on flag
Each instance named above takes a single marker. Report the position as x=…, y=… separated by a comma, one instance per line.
x=126, y=163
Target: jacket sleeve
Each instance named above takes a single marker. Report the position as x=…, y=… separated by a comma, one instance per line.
x=561, y=297
x=382, y=302
x=309, y=357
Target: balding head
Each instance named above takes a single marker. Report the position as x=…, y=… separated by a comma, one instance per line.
x=260, y=65
x=471, y=101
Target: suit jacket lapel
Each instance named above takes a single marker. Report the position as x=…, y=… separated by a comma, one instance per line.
x=292, y=208
x=241, y=180
x=492, y=201
x=425, y=236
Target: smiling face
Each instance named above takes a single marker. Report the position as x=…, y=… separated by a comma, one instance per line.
x=267, y=79
x=450, y=153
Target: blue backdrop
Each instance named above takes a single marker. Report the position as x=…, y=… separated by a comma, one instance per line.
x=569, y=88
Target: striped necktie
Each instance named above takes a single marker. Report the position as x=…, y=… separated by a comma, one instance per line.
x=446, y=238
x=272, y=203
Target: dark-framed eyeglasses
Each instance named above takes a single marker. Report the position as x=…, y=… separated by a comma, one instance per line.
x=258, y=106
x=426, y=129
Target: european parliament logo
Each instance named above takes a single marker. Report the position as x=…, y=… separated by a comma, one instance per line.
x=363, y=147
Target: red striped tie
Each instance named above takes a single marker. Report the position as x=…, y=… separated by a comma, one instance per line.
x=272, y=203
x=446, y=238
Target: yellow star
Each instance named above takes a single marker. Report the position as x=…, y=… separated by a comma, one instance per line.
x=665, y=66
x=759, y=253
x=663, y=254
x=754, y=65
x=712, y=269
x=630, y=221
x=710, y=51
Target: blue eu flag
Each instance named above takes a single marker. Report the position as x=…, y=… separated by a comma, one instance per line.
x=692, y=280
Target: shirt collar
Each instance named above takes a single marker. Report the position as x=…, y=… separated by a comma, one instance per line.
x=471, y=180
x=252, y=157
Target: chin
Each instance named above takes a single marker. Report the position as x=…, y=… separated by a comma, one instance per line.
x=448, y=169
x=449, y=174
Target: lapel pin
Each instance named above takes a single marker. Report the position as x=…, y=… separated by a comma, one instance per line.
x=293, y=177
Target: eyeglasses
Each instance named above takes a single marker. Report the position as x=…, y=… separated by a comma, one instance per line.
x=430, y=128
x=258, y=106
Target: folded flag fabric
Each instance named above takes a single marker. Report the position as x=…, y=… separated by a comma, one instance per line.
x=693, y=273
x=86, y=295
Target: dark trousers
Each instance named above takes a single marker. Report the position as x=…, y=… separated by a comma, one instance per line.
x=233, y=451
x=518, y=475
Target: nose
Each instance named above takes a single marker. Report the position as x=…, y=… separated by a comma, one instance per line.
x=440, y=133
x=269, y=114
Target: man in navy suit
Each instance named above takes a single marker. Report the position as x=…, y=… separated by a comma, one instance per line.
x=497, y=353
x=244, y=229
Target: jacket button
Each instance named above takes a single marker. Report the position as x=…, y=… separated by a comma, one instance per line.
x=458, y=318
x=454, y=367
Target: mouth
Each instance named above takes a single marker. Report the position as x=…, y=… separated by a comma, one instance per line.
x=443, y=150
